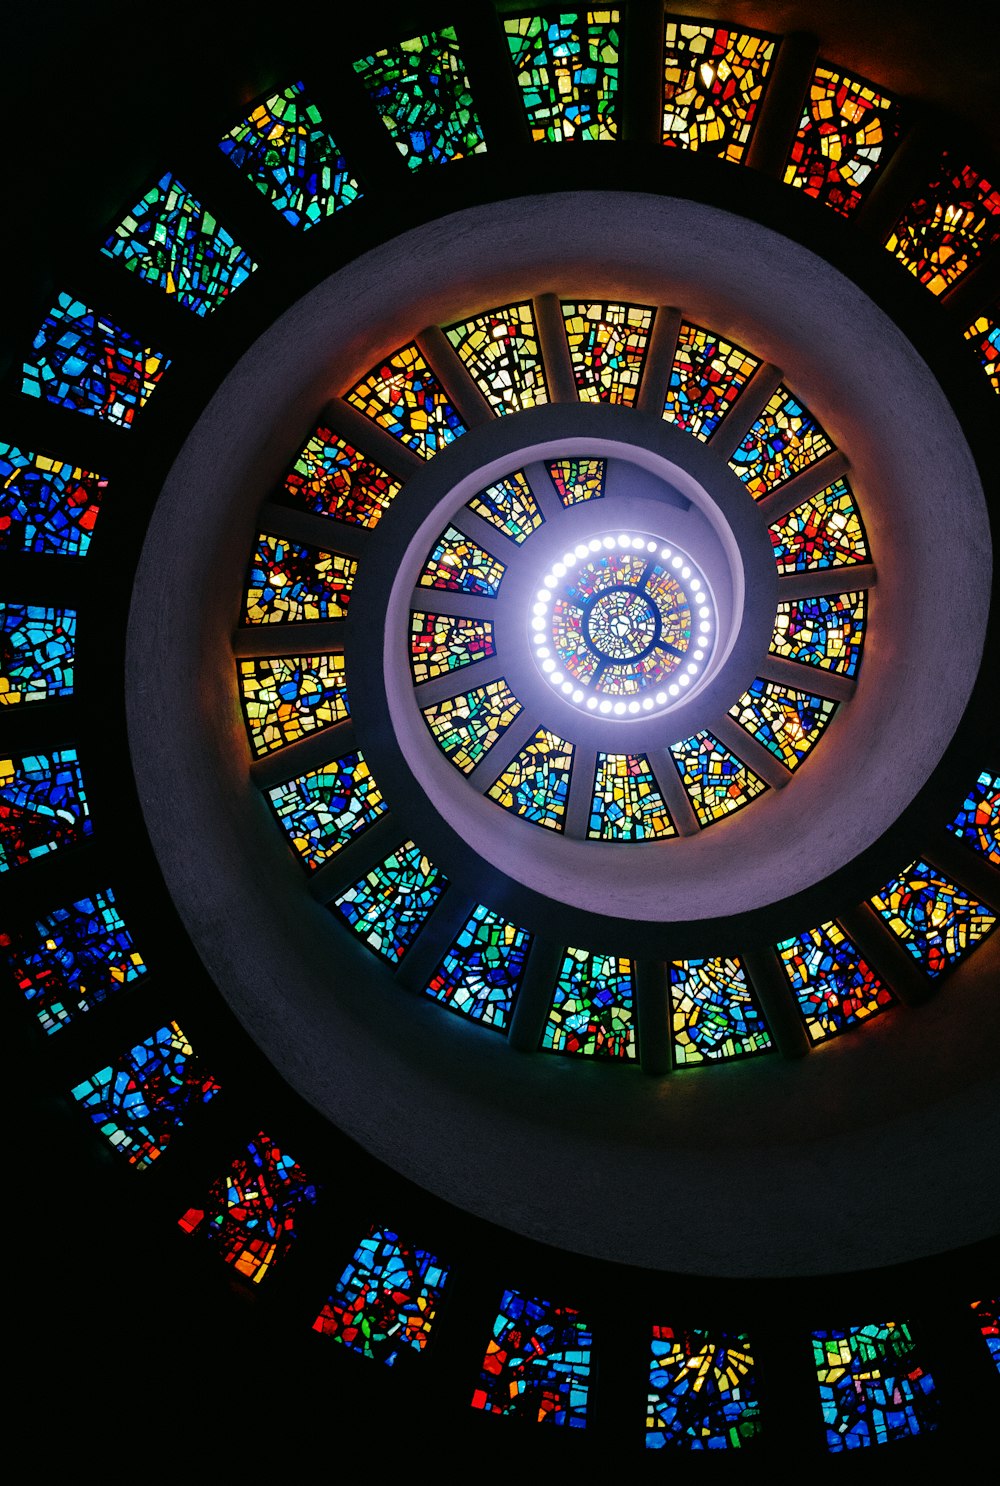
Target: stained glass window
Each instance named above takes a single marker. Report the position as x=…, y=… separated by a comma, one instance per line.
x=252, y=1212
x=825, y=531
x=37, y=651
x=947, y=228
x=333, y=479
x=785, y=440
x=84, y=361
x=422, y=93
x=403, y=396
x=287, y=698
x=173, y=242
x=46, y=505
x=466, y=727
x=510, y=506
x=141, y=1099
x=387, y=908
x=713, y=82
x=535, y=784
x=872, y=1386
x=283, y=149
x=460, y=565
x=440, y=643
x=322, y=810
x=935, y=920
x=607, y=346
x=713, y=1012
x=567, y=69
x=500, y=351
x=978, y=821
x=984, y=332
x=73, y=959
x=716, y=780
x=577, y=480
x=290, y=582
x=987, y=1314
x=706, y=378
x=835, y=988
x=481, y=973
x=828, y=631
x=846, y=134
x=537, y=1364
x=592, y=1009
x=386, y=1300
x=702, y=1391
x=43, y=806
x=786, y=721
x=627, y=804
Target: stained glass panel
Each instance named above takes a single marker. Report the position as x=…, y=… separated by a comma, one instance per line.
x=84, y=361
x=290, y=697
x=535, y=784
x=567, y=69
x=481, y=974
x=43, y=806
x=500, y=351
x=627, y=804
x=987, y=1314
x=46, y=505
x=702, y=1391
x=440, y=643
x=716, y=780
x=947, y=228
x=510, y=506
x=537, y=1364
x=37, y=653
x=713, y=1012
x=785, y=440
x=386, y=1300
x=423, y=96
x=828, y=631
x=978, y=821
x=788, y=722
x=592, y=1009
x=322, y=810
x=333, y=479
x=577, y=480
x=713, y=83
x=388, y=906
x=460, y=565
x=872, y=1386
x=834, y=986
x=291, y=582
x=934, y=919
x=984, y=332
x=825, y=531
x=466, y=727
x=403, y=396
x=607, y=346
x=846, y=134
x=707, y=376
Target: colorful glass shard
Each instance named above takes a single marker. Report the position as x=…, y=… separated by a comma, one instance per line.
x=714, y=1014
x=987, y=1314
x=37, y=653
x=567, y=69
x=141, y=1100
x=403, y=396
x=627, y=805
x=388, y=906
x=788, y=722
x=510, y=506
x=716, y=780
x=537, y=1364
x=282, y=149
x=386, y=1300
x=441, y=643
x=834, y=986
x=460, y=565
x=287, y=698
x=501, y=353
x=872, y=1386
x=785, y=440
x=84, y=361
x=847, y=133
x=577, y=480
x=702, y=1391
x=251, y=1213
x=825, y=531
x=607, y=346
x=466, y=727
x=985, y=333
x=43, y=806
x=713, y=83
x=46, y=505
x=423, y=96
x=592, y=1009
x=535, y=785
x=978, y=821
x=945, y=230
x=707, y=376
x=828, y=632
x=290, y=582
x=481, y=974
x=934, y=919
x=333, y=479
x=323, y=810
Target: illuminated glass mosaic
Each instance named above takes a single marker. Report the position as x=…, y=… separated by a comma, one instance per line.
x=322, y=810
x=510, y=506
x=788, y=722
x=535, y=785
x=947, y=228
x=713, y=1013
x=846, y=134
x=466, y=727
x=333, y=479
x=404, y=397
x=73, y=959
x=707, y=376
x=627, y=803
x=567, y=69
x=984, y=332
x=872, y=1385
x=934, y=919
x=287, y=698
x=84, y=361
x=702, y=1391
x=825, y=531
x=251, y=1214
x=174, y=243
x=713, y=82
x=459, y=564
x=46, y=505
x=37, y=653
x=440, y=643
x=978, y=821
x=828, y=631
x=537, y=1364
x=386, y=1300
x=717, y=781
x=141, y=1100
x=388, y=906
x=282, y=149
x=834, y=986
x=501, y=353
x=577, y=480
x=43, y=806
x=592, y=1010
x=423, y=96
x=291, y=582
x=987, y=1314
x=481, y=974
x=785, y=440
x=607, y=346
